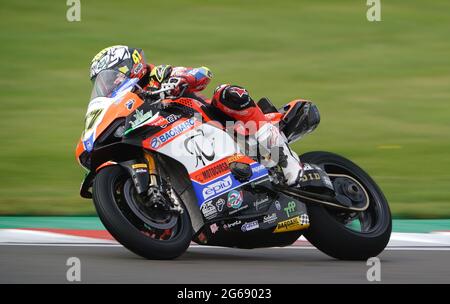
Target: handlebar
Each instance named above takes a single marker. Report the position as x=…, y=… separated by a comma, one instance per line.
x=159, y=94
x=152, y=93
x=165, y=87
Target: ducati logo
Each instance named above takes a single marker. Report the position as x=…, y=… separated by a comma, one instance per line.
x=195, y=145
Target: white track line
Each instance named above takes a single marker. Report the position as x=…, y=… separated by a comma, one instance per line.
x=35, y=237
x=60, y=245
x=19, y=237
x=217, y=247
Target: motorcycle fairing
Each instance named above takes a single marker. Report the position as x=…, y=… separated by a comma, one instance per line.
x=262, y=216
x=103, y=110
x=226, y=182
x=205, y=151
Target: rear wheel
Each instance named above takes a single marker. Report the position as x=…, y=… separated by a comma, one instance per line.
x=348, y=235
x=149, y=231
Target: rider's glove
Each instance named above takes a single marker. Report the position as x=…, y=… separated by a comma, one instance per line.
x=161, y=73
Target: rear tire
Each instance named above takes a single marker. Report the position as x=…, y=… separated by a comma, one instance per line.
x=124, y=231
x=333, y=237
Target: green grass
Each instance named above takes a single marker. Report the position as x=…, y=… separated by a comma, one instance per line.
x=383, y=88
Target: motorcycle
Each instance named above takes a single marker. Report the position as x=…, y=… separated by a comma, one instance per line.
x=165, y=171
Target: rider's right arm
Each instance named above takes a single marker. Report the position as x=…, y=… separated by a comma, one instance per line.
x=196, y=78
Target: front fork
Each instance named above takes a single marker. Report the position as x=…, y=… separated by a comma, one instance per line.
x=146, y=179
x=143, y=172
x=152, y=169
x=156, y=186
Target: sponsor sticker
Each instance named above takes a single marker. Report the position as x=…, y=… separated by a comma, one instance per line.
x=196, y=144
x=219, y=204
x=307, y=167
x=250, y=226
x=214, y=228
x=212, y=171
x=231, y=225
x=209, y=210
x=171, y=118
x=270, y=218
x=138, y=68
x=157, y=141
x=278, y=205
x=292, y=224
x=235, y=199
x=139, y=166
x=291, y=207
x=304, y=219
x=140, y=117
x=258, y=169
x=258, y=202
x=159, y=122
x=217, y=187
x=237, y=210
x=215, y=170
x=130, y=104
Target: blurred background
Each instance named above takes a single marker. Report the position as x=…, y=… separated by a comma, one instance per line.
x=383, y=88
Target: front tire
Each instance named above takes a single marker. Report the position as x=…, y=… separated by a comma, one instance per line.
x=330, y=230
x=125, y=228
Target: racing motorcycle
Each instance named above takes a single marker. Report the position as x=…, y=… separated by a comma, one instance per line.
x=165, y=171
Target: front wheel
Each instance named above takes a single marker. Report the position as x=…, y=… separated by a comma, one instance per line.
x=348, y=235
x=146, y=231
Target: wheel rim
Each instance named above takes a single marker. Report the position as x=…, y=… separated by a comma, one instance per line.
x=159, y=228
x=364, y=222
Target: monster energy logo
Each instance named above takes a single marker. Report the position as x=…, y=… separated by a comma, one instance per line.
x=140, y=118
x=290, y=208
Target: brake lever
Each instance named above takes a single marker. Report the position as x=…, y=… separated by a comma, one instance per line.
x=155, y=96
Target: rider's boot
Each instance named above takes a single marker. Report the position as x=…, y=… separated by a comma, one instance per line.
x=274, y=150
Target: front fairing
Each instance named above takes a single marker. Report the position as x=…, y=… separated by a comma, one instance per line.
x=102, y=112
x=98, y=109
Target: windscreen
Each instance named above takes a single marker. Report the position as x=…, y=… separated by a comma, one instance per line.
x=107, y=83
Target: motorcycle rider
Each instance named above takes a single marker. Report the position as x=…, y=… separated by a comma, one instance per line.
x=234, y=101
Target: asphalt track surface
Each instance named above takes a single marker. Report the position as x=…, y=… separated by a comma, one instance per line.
x=114, y=264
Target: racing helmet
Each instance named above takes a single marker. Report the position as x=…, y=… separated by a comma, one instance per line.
x=129, y=61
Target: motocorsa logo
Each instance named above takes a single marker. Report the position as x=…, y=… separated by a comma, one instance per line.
x=217, y=187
